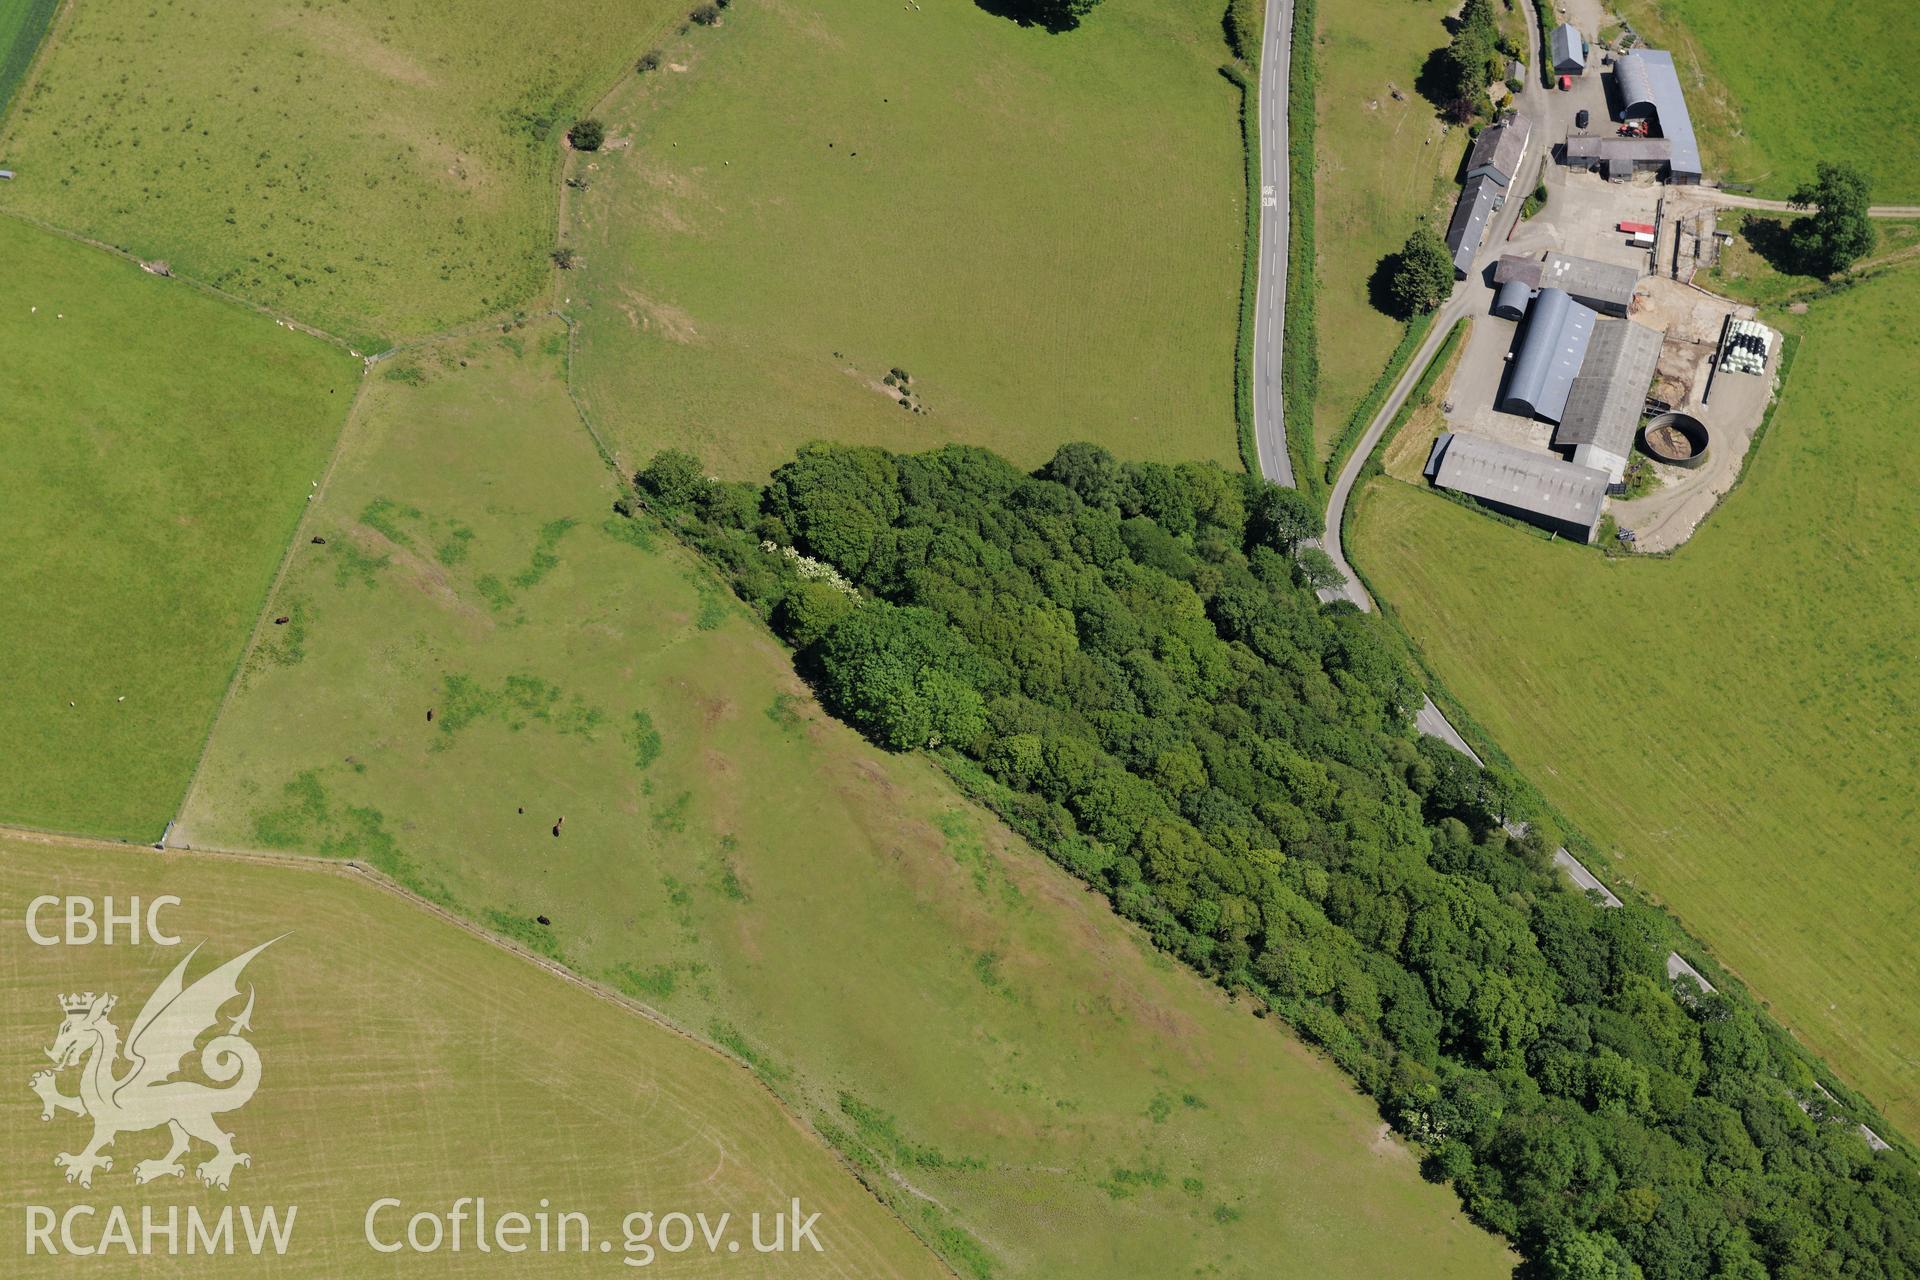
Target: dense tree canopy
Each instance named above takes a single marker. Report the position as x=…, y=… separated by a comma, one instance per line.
x=1474, y=58
x=587, y=135
x=1422, y=272
x=1839, y=231
x=1128, y=662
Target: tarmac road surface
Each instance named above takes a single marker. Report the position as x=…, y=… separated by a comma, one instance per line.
x=1270, y=297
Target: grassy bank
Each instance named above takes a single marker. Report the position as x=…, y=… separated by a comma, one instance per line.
x=1363, y=413
x=1249, y=269
x=1300, y=353
x=1384, y=163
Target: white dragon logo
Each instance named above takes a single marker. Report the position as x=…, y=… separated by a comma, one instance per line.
x=146, y=1095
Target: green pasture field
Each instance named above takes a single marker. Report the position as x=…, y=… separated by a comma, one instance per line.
x=376, y=171
x=1043, y=231
x=1027, y=1084
x=402, y=1056
x=1775, y=88
x=157, y=446
x=22, y=23
x=1385, y=164
x=1733, y=727
x=1745, y=271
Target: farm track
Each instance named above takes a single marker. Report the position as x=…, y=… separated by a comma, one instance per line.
x=1734, y=200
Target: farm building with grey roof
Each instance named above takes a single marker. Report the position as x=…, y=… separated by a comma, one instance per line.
x=1604, y=286
x=1618, y=159
x=1536, y=487
x=1478, y=200
x=1649, y=89
x=1553, y=343
x=1569, y=50
x=1602, y=413
x=1498, y=150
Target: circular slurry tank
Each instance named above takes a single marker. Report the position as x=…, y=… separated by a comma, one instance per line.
x=1678, y=439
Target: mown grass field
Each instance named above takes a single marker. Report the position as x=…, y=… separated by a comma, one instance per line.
x=376, y=172
x=22, y=23
x=401, y=1056
x=157, y=446
x=1031, y=1089
x=1043, y=231
x=1384, y=164
x=1775, y=88
x=1734, y=727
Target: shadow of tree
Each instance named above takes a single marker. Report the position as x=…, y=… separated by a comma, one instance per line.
x=1380, y=287
x=1436, y=80
x=1055, y=17
x=1772, y=240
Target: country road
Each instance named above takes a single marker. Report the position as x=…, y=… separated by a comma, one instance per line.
x=1463, y=300
x=1537, y=104
x=1270, y=296
x=1269, y=418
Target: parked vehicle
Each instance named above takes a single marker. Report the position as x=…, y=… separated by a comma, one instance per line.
x=1566, y=83
x=1581, y=117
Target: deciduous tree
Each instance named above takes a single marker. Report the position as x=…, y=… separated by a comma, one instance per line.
x=1422, y=272
x=1839, y=231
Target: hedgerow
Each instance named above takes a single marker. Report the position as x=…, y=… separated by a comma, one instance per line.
x=1300, y=358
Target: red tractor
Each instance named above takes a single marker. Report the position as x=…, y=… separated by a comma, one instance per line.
x=1633, y=129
